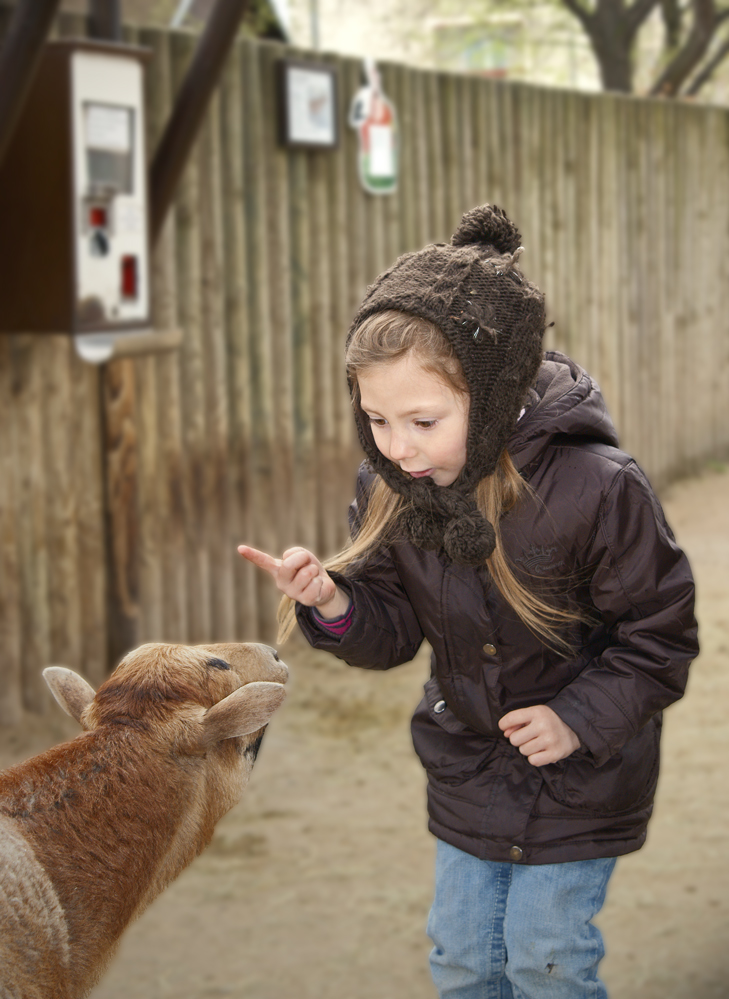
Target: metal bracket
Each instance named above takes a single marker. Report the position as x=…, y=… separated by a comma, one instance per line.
x=98, y=348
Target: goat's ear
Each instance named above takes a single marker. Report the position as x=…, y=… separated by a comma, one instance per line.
x=71, y=691
x=244, y=711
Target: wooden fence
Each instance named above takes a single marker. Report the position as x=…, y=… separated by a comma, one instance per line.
x=124, y=490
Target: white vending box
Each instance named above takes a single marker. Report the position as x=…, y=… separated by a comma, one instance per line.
x=74, y=236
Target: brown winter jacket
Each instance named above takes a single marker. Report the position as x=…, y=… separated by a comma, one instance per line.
x=596, y=536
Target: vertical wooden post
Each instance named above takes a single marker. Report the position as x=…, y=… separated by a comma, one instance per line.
x=29, y=473
x=11, y=698
x=439, y=224
x=480, y=111
x=423, y=232
x=263, y=434
x=391, y=203
x=237, y=321
x=220, y=539
x=341, y=178
x=168, y=475
x=358, y=224
x=408, y=177
x=122, y=514
x=321, y=336
x=149, y=555
x=277, y=248
x=92, y=552
x=192, y=371
x=303, y=352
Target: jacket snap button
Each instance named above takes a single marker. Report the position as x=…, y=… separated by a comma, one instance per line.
x=439, y=707
x=516, y=853
x=489, y=649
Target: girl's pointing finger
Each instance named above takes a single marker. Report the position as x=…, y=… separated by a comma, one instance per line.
x=261, y=559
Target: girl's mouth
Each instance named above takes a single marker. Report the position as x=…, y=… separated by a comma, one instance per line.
x=420, y=475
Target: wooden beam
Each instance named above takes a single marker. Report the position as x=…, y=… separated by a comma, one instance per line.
x=190, y=106
x=19, y=58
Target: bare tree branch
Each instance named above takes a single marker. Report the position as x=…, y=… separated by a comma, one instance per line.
x=580, y=12
x=709, y=69
x=691, y=53
x=672, y=17
x=635, y=15
x=611, y=28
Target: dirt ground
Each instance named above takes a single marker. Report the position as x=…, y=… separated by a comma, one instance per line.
x=317, y=885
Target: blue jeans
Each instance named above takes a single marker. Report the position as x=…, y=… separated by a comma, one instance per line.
x=513, y=931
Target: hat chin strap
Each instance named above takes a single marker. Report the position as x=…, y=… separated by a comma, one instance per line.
x=440, y=518
x=444, y=519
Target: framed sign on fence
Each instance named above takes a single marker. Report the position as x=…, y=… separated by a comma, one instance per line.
x=308, y=104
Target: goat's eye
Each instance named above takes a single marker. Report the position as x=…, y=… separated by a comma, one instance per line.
x=217, y=664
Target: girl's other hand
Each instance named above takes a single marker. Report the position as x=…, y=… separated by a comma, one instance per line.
x=539, y=734
x=301, y=576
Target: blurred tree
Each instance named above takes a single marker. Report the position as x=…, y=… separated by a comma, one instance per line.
x=259, y=21
x=694, y=45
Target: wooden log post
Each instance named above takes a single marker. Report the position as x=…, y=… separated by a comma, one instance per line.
x=11, y=676
x=451, y=153
x=321, y=334
x=169, y=519
x=276, y=233
x=341, y=178
x=121, y=504
x=305, y=490
x=237, y=324
x=263, y=386
x=29, y=510
x=391, y=203
x=192, y=370
x=218, y=498
x=608, y=289
x=358, y=223
x=149, y=555
x=438, y=221
x=87, y=473
x=61, y=511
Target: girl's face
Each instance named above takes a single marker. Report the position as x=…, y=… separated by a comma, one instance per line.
x=418, y=421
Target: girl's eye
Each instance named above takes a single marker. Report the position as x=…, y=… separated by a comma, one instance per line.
x=377, y=421
x=425, y=424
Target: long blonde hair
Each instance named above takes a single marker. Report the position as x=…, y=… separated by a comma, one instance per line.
x=386, y=337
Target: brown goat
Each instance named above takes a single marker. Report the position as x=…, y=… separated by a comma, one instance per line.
x=94, y=829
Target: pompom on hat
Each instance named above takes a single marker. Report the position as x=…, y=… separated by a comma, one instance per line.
x=473, y=291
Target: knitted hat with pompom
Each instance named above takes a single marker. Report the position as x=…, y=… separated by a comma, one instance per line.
x=472, y=290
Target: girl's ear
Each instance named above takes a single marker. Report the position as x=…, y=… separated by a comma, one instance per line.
x=246, y=710
x=71, y=691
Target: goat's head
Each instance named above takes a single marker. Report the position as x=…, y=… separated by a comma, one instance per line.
x=210, y=703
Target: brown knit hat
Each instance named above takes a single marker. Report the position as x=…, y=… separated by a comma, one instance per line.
x=472, y=290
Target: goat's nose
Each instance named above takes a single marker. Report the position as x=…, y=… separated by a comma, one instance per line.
x=281, y=670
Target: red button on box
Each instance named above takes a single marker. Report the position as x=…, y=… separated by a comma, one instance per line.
x=129, y=277
x=97, y=216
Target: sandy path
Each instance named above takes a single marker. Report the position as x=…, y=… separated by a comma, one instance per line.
x=318, y=883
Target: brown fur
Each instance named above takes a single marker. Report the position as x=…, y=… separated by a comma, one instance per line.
x=114, y=815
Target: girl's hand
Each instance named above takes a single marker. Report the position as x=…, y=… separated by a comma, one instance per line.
x=300, y=575
x=539, y=734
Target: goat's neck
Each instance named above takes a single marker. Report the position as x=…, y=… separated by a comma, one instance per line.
x=112, y=822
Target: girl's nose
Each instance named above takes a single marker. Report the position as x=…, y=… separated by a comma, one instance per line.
x=399, y=447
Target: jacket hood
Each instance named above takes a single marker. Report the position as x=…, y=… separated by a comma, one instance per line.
x=565, y=400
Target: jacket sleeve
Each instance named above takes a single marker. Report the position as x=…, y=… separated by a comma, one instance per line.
x=385, y=630
x=643, y=590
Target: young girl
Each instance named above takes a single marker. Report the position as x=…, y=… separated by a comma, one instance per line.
x=496, y=517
